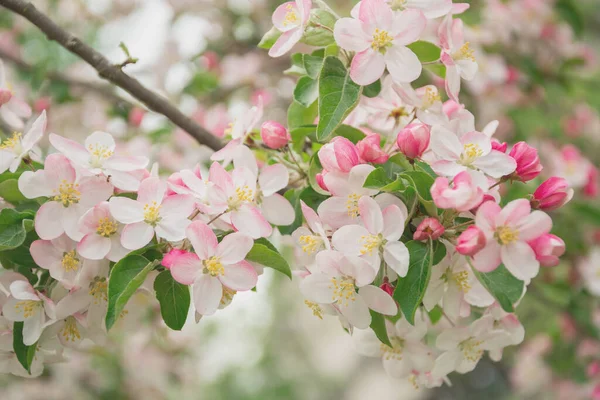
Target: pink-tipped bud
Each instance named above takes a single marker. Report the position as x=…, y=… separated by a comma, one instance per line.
x=528, y=161
x=5, y=96
x=552, y=194
x=470, y=241
x=339, y=155
x=388, y=288
x=429, y=228
x=42, y=104
x=413, y=140
x=593, y=369
x=500, y=146
x=274, y=135
x=369, y=150
x=451, y=107
x=548, y=248
x=321, y=181
x=171, y=256
x=136, y=115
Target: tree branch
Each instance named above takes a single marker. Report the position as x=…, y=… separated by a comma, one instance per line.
x=111, y=73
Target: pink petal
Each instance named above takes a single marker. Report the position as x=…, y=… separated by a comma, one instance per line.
x=488, y=258
x=203, y=239
x=239, y=276
x=534, y=225
x=367, y=66
x=520, y=260
x=151, y=189
x=403, y=64
x=70, y=148
x=452, y=82
x=278, y=210
x=408, y=26
x=486, y=217
x=185, y=267
x=378, y=300
x=102, y=139
x=273, y=178
x=394, y=219
x=177, y=206
x=356, y=312
x=48, y=220
x=375, y=14
x=234, y=248
x=34, y=184
x=371, y=215
x=94, y=247
x=349, y=35
x=318, y=288
x=126, y=163
x=221, y=178
x=172, y=229
x=334, y=212
x=207, y=294
x=248, y=219
x=94, y=189
x=44, y=253
x=35, y=133
x=496, y=164
x=397, y=257
x=125, y=210
x=347, y=239
x=137, y=235
x=58, y=169
x=279, y=16
x=286, y=41
x=514, y=212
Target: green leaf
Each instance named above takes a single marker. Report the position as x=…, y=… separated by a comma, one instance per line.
x=306, y=91
x=312, y=65
x=426, y=51
x=13, y=227
x=422, y=182
x=269, y=38
x=377, y=179
x=11, y=175
x=9, y=191
x=264, y=253
x=125, y=278
x=436, y=69
x=411, y=289
x=373, y=89
x=588, y=213
x=311, y=198
x=24, y=353
x=298, y=115
x=378, y=326
x=435, y=314
x=570, y=13
x=338, y=95
x=319, y=31
x=349, y=132
x=174, y=299
x=502, y=285
x=300, y=134
x=201, y=83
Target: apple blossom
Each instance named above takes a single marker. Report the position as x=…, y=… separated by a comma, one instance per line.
x=15, y=149
x=528, y=161
x=413, y=140
x=547, y=249
x=339, y=155
x=102, y=235
x=426, y=99
x=429, y=228
x=464, y=195
x=291, y=19
x=380, y=36
x=274, y=135
x=470, y=241
x=553, y=193
x=12, y=109
x=369, y=150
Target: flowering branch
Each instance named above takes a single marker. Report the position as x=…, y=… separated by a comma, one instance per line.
x=111, y=73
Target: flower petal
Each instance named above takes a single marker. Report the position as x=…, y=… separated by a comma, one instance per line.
x=378, y=300
x=234, y=248
x=239, y=276
x=207, y=294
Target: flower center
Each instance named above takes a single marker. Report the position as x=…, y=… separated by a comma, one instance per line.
x=99, y=153
x=229, y=128
x=243, y=194
x=381, y=40
x=291, y=18
x=394, y=352
x=462, y=280
x=397, y=5
x=68, y=193
x=70, y=261
x=315, y=308
x=13, y=143
x=99, y=289
x=352, y=205
x=310, y=243
x=464, y=53
x=152, y=213
x=398, y=113
x=213, y=266
x=28, y=307
x=370, y=243
x=506, y=235
x=470, y=349
x=70, y=332
x=431, y=97
x=106, y=227
x=470, y=152
x=343, y=289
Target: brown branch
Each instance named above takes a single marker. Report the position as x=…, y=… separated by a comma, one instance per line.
x=111, y=73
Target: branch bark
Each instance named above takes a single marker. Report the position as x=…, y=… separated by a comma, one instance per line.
x=113, y=74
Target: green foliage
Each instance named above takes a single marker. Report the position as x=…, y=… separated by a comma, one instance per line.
x=373, y=89
x=426, y=51
x=378, y=326
x=14, y=226
x=201, y=83
x=24, y=353
x=306, y=91
x=264, y=253
x=174, y=299
x=570, y=13
x=9, y=191
x=410, y=290
x=269, y=38
x=501, y=284
x=319, y=31
x=299, y=115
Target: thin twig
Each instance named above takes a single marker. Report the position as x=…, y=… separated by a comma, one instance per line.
x=111, y=73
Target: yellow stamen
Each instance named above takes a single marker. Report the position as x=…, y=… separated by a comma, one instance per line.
x=343, y=290
x=431, y=97
x=152, y=213
x=99, y=289
x=370, y=243
x=70, y=332
x=244, y=193
x=290, y=17
x=106, y=227
x=464, y=53
x=70, y=261
x=12, y=143
x=462, y=280
x=316, y=309
x=99, y=153
x=506, y=235
x=470, y=349
x=67, y=193
x=28, y=307
x=352, y=205
x=310, y=243
x=470, y=152
x=394, y=352
x=381, y=40
x=213, y=266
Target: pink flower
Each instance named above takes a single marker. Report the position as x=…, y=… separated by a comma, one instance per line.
x=69, y=197
x=369, y=150
x=12, y=109
x=470, y=241
x=457, y=55
x=42, y=104
x=274, y=135
x=172, y=256
x=472, y=150
x=413, y=140
x=136, y=115
x=151, y=213
x=500, y=146
x=426, y=99
x=379, y=235
x=213, y=266
x=98, y=158
x=334, y=281
x=528, y=161
x=379, y=37
x=548, y=248
x=507, y=232
x=552, y=194
x=291, y=19
x=464, y=195
x=102, y=235
x=14, y=149
x=429, y=228
x=339, y=155
x=388, y=110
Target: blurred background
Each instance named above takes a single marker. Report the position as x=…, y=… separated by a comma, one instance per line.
x=538, y=77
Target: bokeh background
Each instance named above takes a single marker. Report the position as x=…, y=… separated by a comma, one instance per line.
x=538, y=78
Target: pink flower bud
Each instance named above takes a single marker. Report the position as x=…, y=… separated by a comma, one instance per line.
x=593, y=369
x=41, y=104
x=500, y=146
x=470, y=241
x=5, y=96
x=274, y=135
x=591, y=188
x=136, y=115
x=552, y=194
x=339, y=155
x=321, y=181
x=171, y=256
x=388, y=288
x=429, y=228
x=451, y=107
x=547, y=249
x=462, y=196
x=413, y=140
x=528, y=161
x=369, y=150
